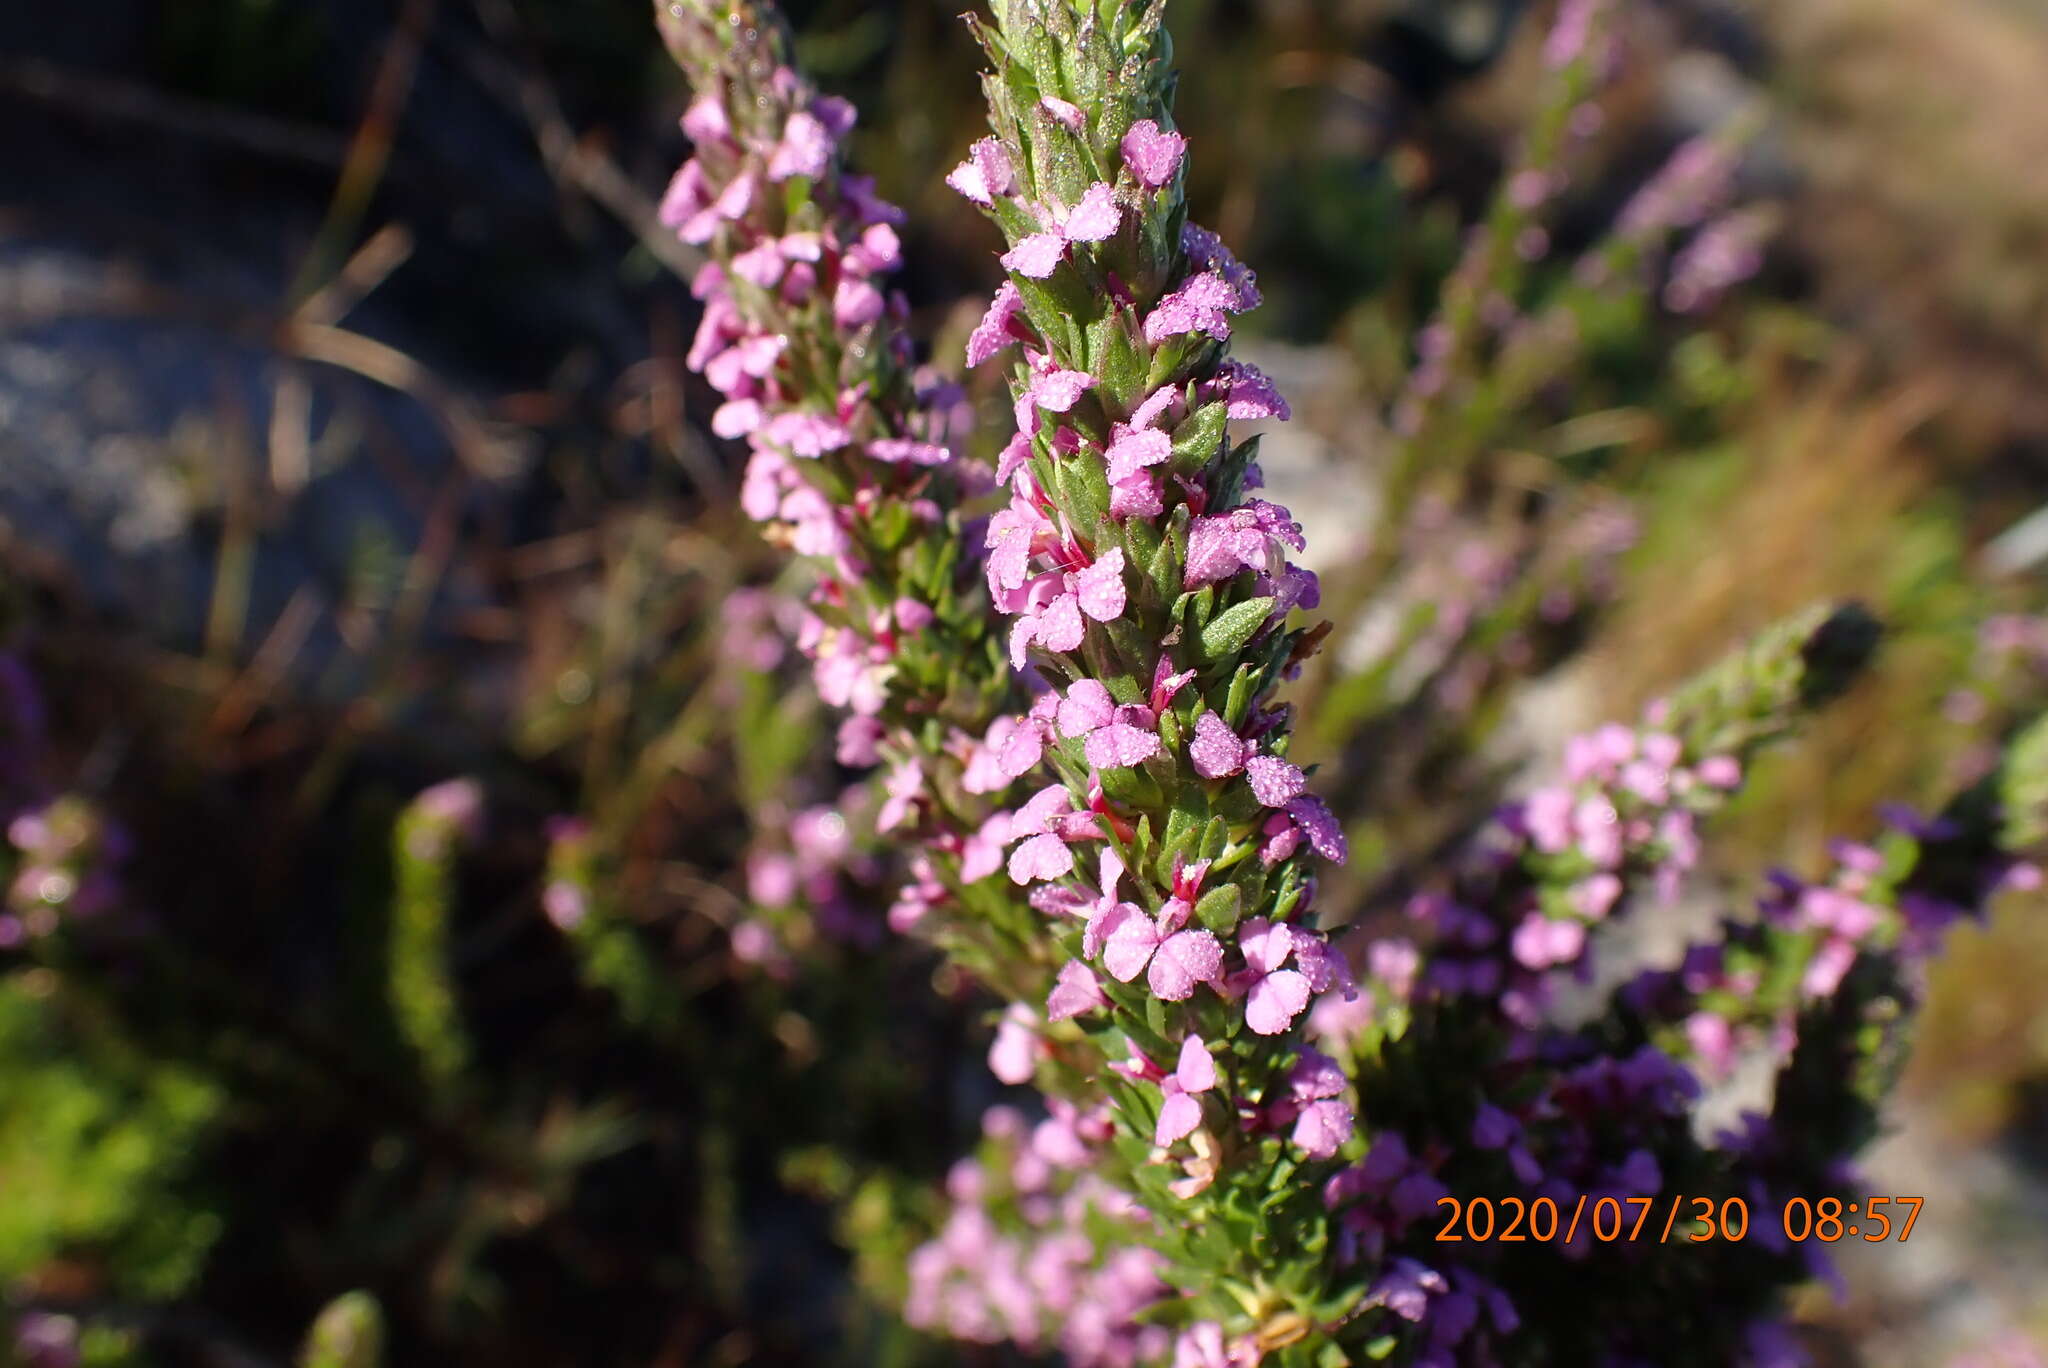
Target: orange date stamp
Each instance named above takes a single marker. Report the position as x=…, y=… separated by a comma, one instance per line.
x=1661, y=1220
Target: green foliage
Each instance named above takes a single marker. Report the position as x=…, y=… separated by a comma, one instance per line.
x=97, y=1143
x=348, y=1333
x=420, y=984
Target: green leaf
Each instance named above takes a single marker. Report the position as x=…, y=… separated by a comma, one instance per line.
x=1084, y=493
x=1225, y=635
x=1199, y=437
x=1237, y=707
x=1119, y=361
x=1219, y=908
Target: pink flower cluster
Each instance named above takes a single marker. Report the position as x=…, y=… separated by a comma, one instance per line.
x=803, y=342
x=68, y=856
x=1039, y=1277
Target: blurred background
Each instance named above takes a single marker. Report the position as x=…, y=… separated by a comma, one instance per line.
x=426, y=873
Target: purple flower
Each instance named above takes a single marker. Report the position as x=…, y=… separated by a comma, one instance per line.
x=1249, y=393
x=1313, y=818
x=1406, y=1287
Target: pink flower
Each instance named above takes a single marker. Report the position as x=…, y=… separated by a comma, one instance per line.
x=1036, y=256
x=737, y=418
x=1547, y=813
x=762, y=264
x=685, y=199
x=1283, y=838
x=1117, y=737
x=1095, y=218
x=805, y=434
x=1069, y=116
x=1106, y=913
x=1014, y=535
x=858, y=742
x=1274, y=996
x=1323, y=1120
x=1056, y=622
x=908, y=451
x=1055, y=391
x=1133, y=449
x=1049, y=821
x=1220, y=545
x=705, y=120
x=1153, y=156
x=998, y=327
x=1274, y=782
x=1720, y=771
x=855, y=303
x=1178, y=959
x=1215, y=750
x=1179, y=1112
x=878, y=250
x=1540, y=942
x=985, y=174
x=1013, y=1057
x=903, y=788
x=805, y=149
x=1075, y=991
x=1136, y=497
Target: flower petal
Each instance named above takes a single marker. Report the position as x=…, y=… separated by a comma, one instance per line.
x=1179, y=1115
x=1319, y=824
x=1275, y=1001
x=1044, y=856
x=1095, y=218
x=1265, y=944
x=1197, y=1068
x=1074, y=992
x=1133, y=449
x=1059, y=624
x=1153, y=155
x=1129, y=945
x=1100, y=587
x=1037, y=256
x=1121, y=745
x=1185, y=959
x=1273, y=780
x=1216, y=750
x=1086, y=707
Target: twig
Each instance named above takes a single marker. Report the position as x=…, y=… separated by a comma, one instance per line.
x=568, y=159
x=99, y=97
